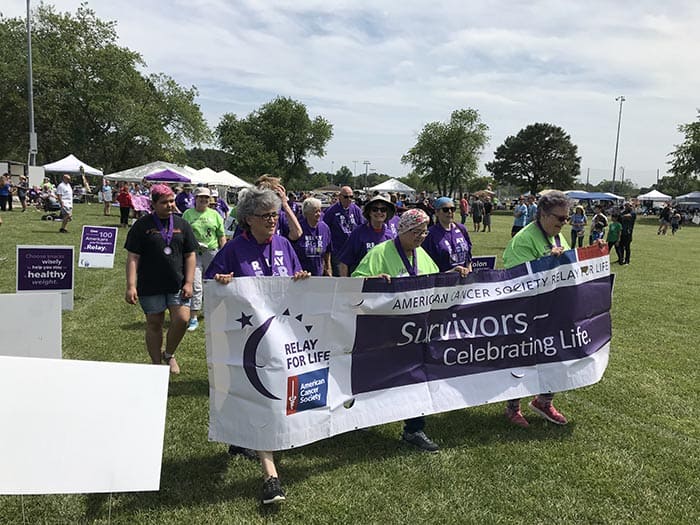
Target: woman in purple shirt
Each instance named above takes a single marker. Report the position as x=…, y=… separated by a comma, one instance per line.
x=378, y=211
x=258, y=251
x=448, y=242
x=314, y=246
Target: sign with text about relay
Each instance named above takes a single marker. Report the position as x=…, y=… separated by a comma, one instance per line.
x=46, y=268
x=97, y=247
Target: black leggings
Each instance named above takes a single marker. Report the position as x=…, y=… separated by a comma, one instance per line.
x=124, y=215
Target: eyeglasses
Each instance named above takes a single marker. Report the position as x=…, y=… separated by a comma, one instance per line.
x=420, y=233
x=381, y=209
x=267, y=216
x=448, y=210
x=560, y=218
x=349, y=197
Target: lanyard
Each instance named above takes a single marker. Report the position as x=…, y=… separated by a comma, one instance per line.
x=167, y=235
x=412, y=269
x=557, y=241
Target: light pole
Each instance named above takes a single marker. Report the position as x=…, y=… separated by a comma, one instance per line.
x=332, y=170
x=354, y=171
x=619, y=99
x=366, y=163
x=33, y=146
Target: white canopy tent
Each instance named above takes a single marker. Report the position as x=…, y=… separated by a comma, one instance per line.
x=139, y=172
x=229, y=179
x=393, y=185
x=655, y=196
x=72, y=164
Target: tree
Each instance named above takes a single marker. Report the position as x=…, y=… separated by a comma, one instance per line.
x=277, y=138
x=624, y=188
x=540, y=156
x=685, y=162
x=90, y=97
x=447, y=154
x=209, y=158
x=343, y=176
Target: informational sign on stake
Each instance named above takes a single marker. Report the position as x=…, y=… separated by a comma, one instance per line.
x=42, y=269
x=97, y=247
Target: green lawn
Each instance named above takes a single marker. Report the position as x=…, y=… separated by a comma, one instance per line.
x=631, y=453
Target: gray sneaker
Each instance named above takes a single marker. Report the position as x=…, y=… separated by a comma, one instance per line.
x=420, y=441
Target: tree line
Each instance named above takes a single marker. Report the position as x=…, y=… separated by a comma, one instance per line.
x=92, y=98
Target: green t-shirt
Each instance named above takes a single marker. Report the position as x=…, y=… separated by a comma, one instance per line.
x=614, y=232
x=208, y=226
x=384, y=258
x=530, y=244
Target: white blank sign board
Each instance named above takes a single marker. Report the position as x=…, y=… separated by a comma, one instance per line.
x=31, y=325
x=80, y=426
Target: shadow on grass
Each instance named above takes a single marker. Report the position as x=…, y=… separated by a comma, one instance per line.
x=188, y=387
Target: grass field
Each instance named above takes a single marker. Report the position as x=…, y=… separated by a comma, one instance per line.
x=631, y=453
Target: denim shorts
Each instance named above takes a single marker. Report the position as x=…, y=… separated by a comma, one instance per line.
x=155, y=304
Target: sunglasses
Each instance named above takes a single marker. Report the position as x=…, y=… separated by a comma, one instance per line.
x=560, y=218
x=420, y=233
x=381, y=209
x=267, y=216
x=349, y=197
x=448, y=210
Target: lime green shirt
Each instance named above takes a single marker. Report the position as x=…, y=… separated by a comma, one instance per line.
x=208, y=226
x=530, y=244
x=384, y=258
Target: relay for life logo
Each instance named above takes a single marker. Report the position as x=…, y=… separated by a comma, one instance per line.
x=305, y=361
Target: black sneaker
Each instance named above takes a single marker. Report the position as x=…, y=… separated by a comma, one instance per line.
x=272, y=491
x=420, y=440
x=247, y=453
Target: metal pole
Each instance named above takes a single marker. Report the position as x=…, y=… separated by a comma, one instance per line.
x=31, y=158
x=366, y=163
x=621, y=99
x=588, y=179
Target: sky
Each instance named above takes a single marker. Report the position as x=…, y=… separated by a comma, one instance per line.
x=380, y=70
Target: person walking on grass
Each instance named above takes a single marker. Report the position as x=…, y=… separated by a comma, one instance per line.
x=64, y=192
x=160, y=273
x=208, y=228
x=251, y=255
x=540, y=238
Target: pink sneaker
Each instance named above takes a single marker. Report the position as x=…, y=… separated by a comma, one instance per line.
x=516, y=417
x=548, y=412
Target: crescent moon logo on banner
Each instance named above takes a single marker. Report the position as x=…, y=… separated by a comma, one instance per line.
x=249, y=362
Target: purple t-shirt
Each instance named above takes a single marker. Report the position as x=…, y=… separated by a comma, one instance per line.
x=342, y=222
x=246, y=258
x=313, y=244
x=448, y=248
x=393, y=224
x=184, y=201
x=361, y=240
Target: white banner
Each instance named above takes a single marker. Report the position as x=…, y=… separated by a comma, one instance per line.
x=294, y=362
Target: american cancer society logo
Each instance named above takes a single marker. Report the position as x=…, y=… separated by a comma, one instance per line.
x=307, y=391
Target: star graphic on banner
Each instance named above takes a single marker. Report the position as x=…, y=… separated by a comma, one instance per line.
x=245, y=320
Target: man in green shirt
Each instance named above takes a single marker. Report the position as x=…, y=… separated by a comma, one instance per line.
x=208, y=228
x=540, y=238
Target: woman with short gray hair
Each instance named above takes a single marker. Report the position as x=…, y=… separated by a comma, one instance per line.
x=314, y=246
x=257, y=252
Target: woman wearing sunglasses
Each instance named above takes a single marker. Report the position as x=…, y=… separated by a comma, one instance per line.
x=540, y=238
x=377, y=212
x=448, y=242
